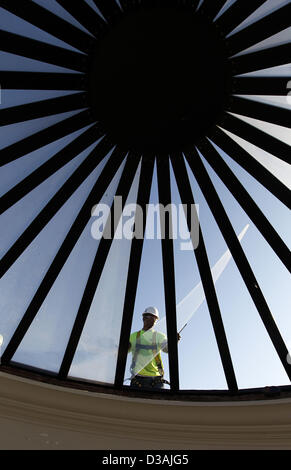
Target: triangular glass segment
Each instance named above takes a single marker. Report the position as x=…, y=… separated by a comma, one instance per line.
x=21, y=281
x=255, y=359
x=278, y=71
x=276, y=212
x=19, y=97
x=18, y=217
x=92, y=4
x=44, y=344
x=14, y=24
x=283, y=37
x=279, y=101
x=225, y=7
x=150, y=288
x=58, y=10
x=186, y=271
x=14, y=172
x=14, y=62
x=279, y=132
x=268, y=7
x=14, y=133
x=199, y=359
x=280, y=169
x=96, y=355
x=199, y=4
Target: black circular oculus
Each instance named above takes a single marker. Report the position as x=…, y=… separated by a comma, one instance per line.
x=159, y=79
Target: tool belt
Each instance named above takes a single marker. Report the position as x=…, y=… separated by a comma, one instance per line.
x=147, y=381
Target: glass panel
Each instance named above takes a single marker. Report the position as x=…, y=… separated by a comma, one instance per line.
x=282, y=37
x=94, y=7
x=20, y=283
x=96, y=354
x=14, y=24
x=254, y=356
x=199, y=359
x=44, y=344
x=13, y=133
x=279, y=101
x=16, y=171
x=278, y=71
x=57, y=9
x=14, y=62
x=225, y=7
x=150, y=288
x=275, y=211
x=199, y=4
x=279, y=132
x=18, y=217
x=267, y=8
x=275, y=165
x=19, y=97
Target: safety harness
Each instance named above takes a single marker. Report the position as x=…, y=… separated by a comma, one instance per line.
x=154, y=348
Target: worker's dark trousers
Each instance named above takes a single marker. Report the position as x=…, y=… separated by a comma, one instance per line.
x=146, y=382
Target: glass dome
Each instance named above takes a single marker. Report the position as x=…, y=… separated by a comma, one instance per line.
x=145, y=148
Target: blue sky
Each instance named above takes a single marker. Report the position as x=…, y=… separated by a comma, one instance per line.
x=255, y=361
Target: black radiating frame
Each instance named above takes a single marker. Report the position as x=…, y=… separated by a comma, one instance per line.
x=164, y=190
x=200, y=252
x=78, y=64
x=143, y=197
x=237, y=252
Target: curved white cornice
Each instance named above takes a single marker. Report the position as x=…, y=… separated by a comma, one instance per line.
x=39, y=415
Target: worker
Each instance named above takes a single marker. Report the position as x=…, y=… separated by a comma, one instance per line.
x=147, y=369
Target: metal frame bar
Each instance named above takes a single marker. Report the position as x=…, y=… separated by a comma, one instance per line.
x=63, y=253
x=11, y=80
x=238, y=254
x=251, y=165
x=245, y=201
x=49, y=22
x=86, y=16
x=276, y=86
x=109, y=9
x=46, y=136
x=48, y=168
x=43, y=52
x=143, y=196
x=210, y=8
x=264, y=112
x=262, y=29
x=98, y=265
x=255, y=136
x=200, y=253
x=39, y=109
x=250, y=394
x=55, y=203
x=260, y=60
x=236, y=14
x=164, y=191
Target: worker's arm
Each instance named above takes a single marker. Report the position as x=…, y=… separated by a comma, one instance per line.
x=165, y=344
x=165, y=348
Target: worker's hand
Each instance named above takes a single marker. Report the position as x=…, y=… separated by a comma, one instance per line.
x=178, y=337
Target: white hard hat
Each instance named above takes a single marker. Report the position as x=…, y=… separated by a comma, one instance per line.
x=153, y=311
